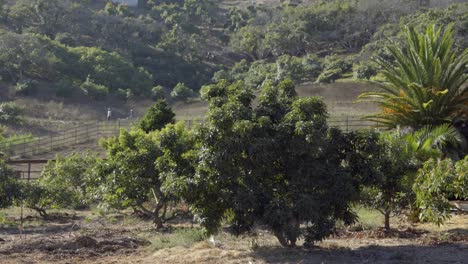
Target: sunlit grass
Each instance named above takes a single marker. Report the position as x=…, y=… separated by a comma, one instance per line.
x=368, y=218
x=181, y=237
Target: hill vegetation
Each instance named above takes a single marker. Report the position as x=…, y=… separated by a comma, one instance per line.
x=265, y=159
x=96, y=48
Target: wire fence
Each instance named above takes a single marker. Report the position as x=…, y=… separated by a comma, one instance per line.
x=83, y=134
x=92, y=132
x=20, y=152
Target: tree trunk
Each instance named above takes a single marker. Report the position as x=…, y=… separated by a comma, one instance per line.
x=156, y=218
x=285, y=241
x=387, y=220
x=281, y=239
x=42, y=212
x=164, y=212
x=142, y=211
x=160, y=202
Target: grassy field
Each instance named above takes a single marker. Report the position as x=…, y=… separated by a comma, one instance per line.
x=340, y=98
x=44, y=117
x=93, y=236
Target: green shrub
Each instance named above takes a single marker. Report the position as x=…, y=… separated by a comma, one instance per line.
x=181, y=237
x=364, y=71
x=181, y=92
x=10, y=112
x=64, y=88
x=108, y=69
x=121, y=94
x=9, y=186
x=333, y=68
x=221, y=75
x=312, y=65
x=435, y=183
x=384, y=165
x=26, y=87
x=271, y=161
x=329, y=76
x=139, y=170
x=157, y=93
x=157, y=117
x=62, y=184
x=96, y=91
x=35, y=197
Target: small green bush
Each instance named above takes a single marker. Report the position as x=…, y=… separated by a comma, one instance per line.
x=96, y=91
x=184, y=237
x=157, y=117
x=333, y=68
x=121, y=94
x=26, y=87
x=435, y=183
x=62, y=184
x=157, y=93
x=10, y=112
x=364, y=71
x=64, y=88
x=329, y=76
x=9, y=185
x=181, y=92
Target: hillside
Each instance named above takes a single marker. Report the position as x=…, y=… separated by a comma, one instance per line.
x=65, y=62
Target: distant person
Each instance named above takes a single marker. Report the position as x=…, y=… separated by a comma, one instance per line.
x=131, y=114
x=109, y=114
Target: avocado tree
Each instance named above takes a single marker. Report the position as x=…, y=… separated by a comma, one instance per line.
x=63, y=184
x=138, y=165
x=435, y=183
x=274, y=164
x=157, y=116
x=392, y=166
x=9, y=186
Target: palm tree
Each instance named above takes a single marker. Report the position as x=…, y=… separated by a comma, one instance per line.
x=425, y=84
x=428, y=142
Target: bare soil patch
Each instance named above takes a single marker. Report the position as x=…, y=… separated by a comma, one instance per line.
x=91, y=237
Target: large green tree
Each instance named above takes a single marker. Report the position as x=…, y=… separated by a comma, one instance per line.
x=273, y=164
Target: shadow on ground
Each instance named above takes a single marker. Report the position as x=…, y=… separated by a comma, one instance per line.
x=442, y=253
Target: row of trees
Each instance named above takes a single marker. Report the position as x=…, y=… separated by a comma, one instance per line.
x=169, y=42
x=337, y=48
x=121, y=50
x=272, y=160
x=277, y=164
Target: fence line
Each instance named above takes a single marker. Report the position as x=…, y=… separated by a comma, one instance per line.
x=65, y=138
x=92, y=132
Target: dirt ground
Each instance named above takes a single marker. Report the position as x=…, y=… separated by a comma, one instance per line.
x=90, y=237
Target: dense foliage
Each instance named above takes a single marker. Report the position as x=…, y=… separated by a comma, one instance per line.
x=264, y=156
x=10, y=112
x=438, y=181
x=9, y=185
x=170, y=42
x=62, y=184
x=157, y=117
x=391, y=164
x=137, y=168
x=275, y=164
